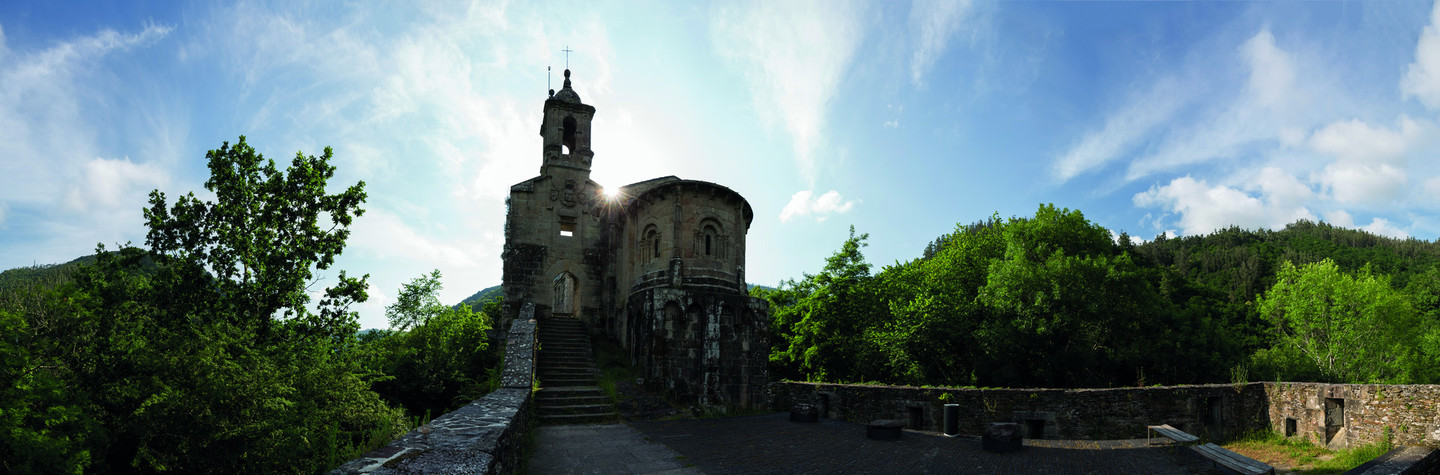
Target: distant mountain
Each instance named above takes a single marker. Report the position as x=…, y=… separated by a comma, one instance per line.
x=43, y=276
x=479, y=299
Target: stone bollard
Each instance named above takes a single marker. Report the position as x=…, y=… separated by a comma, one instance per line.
x=952, y=420
x=803, y=412
x=1001, y=437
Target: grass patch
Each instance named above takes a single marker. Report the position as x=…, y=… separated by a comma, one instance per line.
x=1304, y=457
x=614, y=367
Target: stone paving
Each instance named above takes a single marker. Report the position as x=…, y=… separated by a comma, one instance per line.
x=772, y=444
x=602, y=449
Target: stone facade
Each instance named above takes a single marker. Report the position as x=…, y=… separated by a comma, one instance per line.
x=657, y=265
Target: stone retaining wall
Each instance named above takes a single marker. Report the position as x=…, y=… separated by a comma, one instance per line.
x=483, y=437
x=1216, y=411
x=1410, y=413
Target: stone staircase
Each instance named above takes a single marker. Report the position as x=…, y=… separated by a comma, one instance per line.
x=569, y=391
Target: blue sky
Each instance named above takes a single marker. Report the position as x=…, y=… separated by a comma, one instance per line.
x=902, y=119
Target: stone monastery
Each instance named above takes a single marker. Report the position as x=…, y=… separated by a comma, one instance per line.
x=658, y=266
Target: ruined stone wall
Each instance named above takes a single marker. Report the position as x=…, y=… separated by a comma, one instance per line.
x=708, y=348
x=1216, y=411
x=1410, y=412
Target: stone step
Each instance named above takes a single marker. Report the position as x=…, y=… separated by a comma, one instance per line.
x=548, y=375
x=573, y=391
x=546, y=409
x=565, y=361
x=573, y=400
x=567, y=419
x=562, y=382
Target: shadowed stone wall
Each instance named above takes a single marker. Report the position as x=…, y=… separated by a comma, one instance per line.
x=1411, y=413
x=1216, y=411
x=482, y=437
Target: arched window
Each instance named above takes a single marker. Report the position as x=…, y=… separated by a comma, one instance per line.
x=707, y=244
x=567, y=134
x=708, y=241
x=649, y=245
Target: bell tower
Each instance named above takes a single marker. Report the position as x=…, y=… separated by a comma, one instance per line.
x=566, y=130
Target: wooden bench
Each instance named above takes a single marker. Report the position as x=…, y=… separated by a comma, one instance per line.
x=1171, y=432
x=1220, y=457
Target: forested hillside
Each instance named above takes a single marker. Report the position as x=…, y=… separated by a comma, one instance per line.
x=1053, y=301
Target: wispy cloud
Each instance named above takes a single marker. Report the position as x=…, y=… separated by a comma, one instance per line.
x=935, y=22
x=793, y=55
x=805, y=203
x=1422, y=77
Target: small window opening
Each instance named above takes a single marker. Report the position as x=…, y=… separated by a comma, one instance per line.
x=1035, y=429
x=567, y=229
x=1212, y=411
x=917, y=418
x=657, y=247
x=707, y=244
x=1289, y=427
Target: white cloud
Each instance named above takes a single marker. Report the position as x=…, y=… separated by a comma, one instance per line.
x=805, y=203
x=1272, y=71
x=387, y=236
x=793, y=55
x=935, y=21
x=106, y=184
x=1123, y=130
x=1353, y=183
x=1422, y=78
x=1356, y=141
x=1204, y=208
x=1383, y=227
x=1431, y=189
x=892, y=124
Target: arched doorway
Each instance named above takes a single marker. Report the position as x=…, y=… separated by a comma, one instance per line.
x=563, y=297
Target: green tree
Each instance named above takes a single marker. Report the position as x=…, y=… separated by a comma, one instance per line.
x=438, y=358
x=201, y=353
x=417, y=303
x=1345, y=328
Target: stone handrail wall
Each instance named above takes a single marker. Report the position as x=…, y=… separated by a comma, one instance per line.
x=1409, y=413
x=482, y=437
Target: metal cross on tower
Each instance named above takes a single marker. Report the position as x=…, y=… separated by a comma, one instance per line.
x=567, y=51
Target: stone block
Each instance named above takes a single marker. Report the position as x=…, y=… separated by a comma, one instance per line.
x=803, y=412
x=884, y=429
x=1001, y=437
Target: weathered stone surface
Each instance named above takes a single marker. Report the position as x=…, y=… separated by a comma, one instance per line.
x=804, y=413
x=1411, y=413
x=1001, y=437
x=884, y=429
x=1406, y=460
x=482, y=437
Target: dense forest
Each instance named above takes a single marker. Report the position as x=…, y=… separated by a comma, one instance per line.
x=204, y=353
x=1054, y=300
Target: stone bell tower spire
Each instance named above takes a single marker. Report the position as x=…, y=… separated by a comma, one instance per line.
x=566, y=130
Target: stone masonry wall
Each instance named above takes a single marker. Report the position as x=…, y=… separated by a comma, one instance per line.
x=1215, y=411
x=1411, y=413
x=485, y=436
